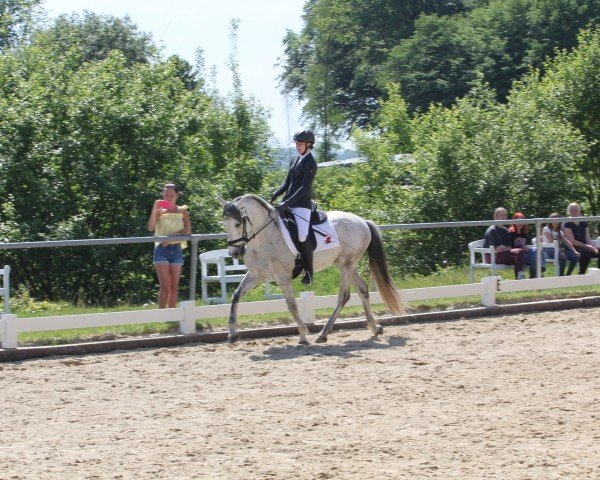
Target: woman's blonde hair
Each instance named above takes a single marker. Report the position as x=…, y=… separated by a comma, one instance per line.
x=499, y=209
x=573, y=204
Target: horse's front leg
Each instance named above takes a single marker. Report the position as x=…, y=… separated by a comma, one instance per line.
x=249, y=281
x=343, y=298
x=288, y=292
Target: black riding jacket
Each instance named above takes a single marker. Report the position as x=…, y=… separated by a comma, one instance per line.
x=298, y=183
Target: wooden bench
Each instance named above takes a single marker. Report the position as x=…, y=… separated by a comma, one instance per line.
x=229, y=270
x=5, y=290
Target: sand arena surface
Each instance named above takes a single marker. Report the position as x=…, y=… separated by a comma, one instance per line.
x=513, y=397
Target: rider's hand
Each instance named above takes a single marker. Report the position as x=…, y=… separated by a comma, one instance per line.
x=282, y=207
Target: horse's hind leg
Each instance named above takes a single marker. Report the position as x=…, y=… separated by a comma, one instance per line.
x=363, y=293
x=343, y=298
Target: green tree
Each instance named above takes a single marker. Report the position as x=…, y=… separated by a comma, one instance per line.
x=17, y=20
x=466, y=160
x=347, y=52
x=479, y=155
x=437, y=64
x=570, y=92
x=333, y=62
x=97, y=36
x=501, y=40
x=84, y=148
x=517, y=35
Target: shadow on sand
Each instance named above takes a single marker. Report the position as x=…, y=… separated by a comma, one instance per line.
x=345, y=350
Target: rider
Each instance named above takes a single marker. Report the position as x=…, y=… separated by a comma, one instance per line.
x=298, y=191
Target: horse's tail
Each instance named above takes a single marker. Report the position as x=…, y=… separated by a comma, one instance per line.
x=379, y=270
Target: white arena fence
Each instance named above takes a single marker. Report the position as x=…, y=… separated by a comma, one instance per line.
x=188, y=312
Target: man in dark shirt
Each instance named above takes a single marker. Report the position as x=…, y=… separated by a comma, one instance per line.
x=498, y=236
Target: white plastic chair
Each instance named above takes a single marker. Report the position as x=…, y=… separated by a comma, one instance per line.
x=477, y=254
x=553, y=245
x=229, y=270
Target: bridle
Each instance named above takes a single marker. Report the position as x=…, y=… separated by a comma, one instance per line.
x=241, y=215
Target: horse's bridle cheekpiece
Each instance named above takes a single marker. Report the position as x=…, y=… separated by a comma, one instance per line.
x=230, y=210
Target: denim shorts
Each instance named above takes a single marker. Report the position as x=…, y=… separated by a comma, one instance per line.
x=170, y=254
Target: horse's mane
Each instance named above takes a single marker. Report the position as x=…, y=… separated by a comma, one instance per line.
x=252, y=196
x=231, y=210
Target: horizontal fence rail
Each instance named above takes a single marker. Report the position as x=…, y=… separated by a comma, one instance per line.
x=188, y=313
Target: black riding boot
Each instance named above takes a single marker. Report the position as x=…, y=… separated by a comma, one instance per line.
x=307, y=254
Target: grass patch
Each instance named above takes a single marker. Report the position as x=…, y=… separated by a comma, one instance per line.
x=78, y=335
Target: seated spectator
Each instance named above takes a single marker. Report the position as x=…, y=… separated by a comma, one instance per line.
x=578, y=233
x=554, y=232
x=519, y=237
x=498, y=237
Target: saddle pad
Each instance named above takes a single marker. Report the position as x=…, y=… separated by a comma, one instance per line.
x=324, y=233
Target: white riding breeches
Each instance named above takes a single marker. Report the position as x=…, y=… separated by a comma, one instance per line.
x=302, y=221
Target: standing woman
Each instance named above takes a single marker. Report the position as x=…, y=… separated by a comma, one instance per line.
x=298, y=193
x=167, y=218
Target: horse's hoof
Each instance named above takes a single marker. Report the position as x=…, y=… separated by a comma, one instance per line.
x=233, y=338
x=321, y=339
x=379, y=330
x=304, y=342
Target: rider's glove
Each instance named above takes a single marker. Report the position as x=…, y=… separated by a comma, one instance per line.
x=282, y=207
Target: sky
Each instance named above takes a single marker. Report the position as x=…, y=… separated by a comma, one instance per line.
x=181, y=26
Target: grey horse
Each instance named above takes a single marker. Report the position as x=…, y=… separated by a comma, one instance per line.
x=254, y=233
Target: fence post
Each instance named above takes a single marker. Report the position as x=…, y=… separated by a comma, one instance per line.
x=193, y=269
x=307, y=307
x=595, y=273
x=187, y=324
x=6, y=288
x=490, y=286
x=8, y=330
x=538, y=249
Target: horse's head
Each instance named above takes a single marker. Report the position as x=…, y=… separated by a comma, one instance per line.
x=244, y=217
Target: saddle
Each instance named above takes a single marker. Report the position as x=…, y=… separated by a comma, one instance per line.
x=317, y=217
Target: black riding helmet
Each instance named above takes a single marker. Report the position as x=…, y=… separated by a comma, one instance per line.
x=304, y=136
